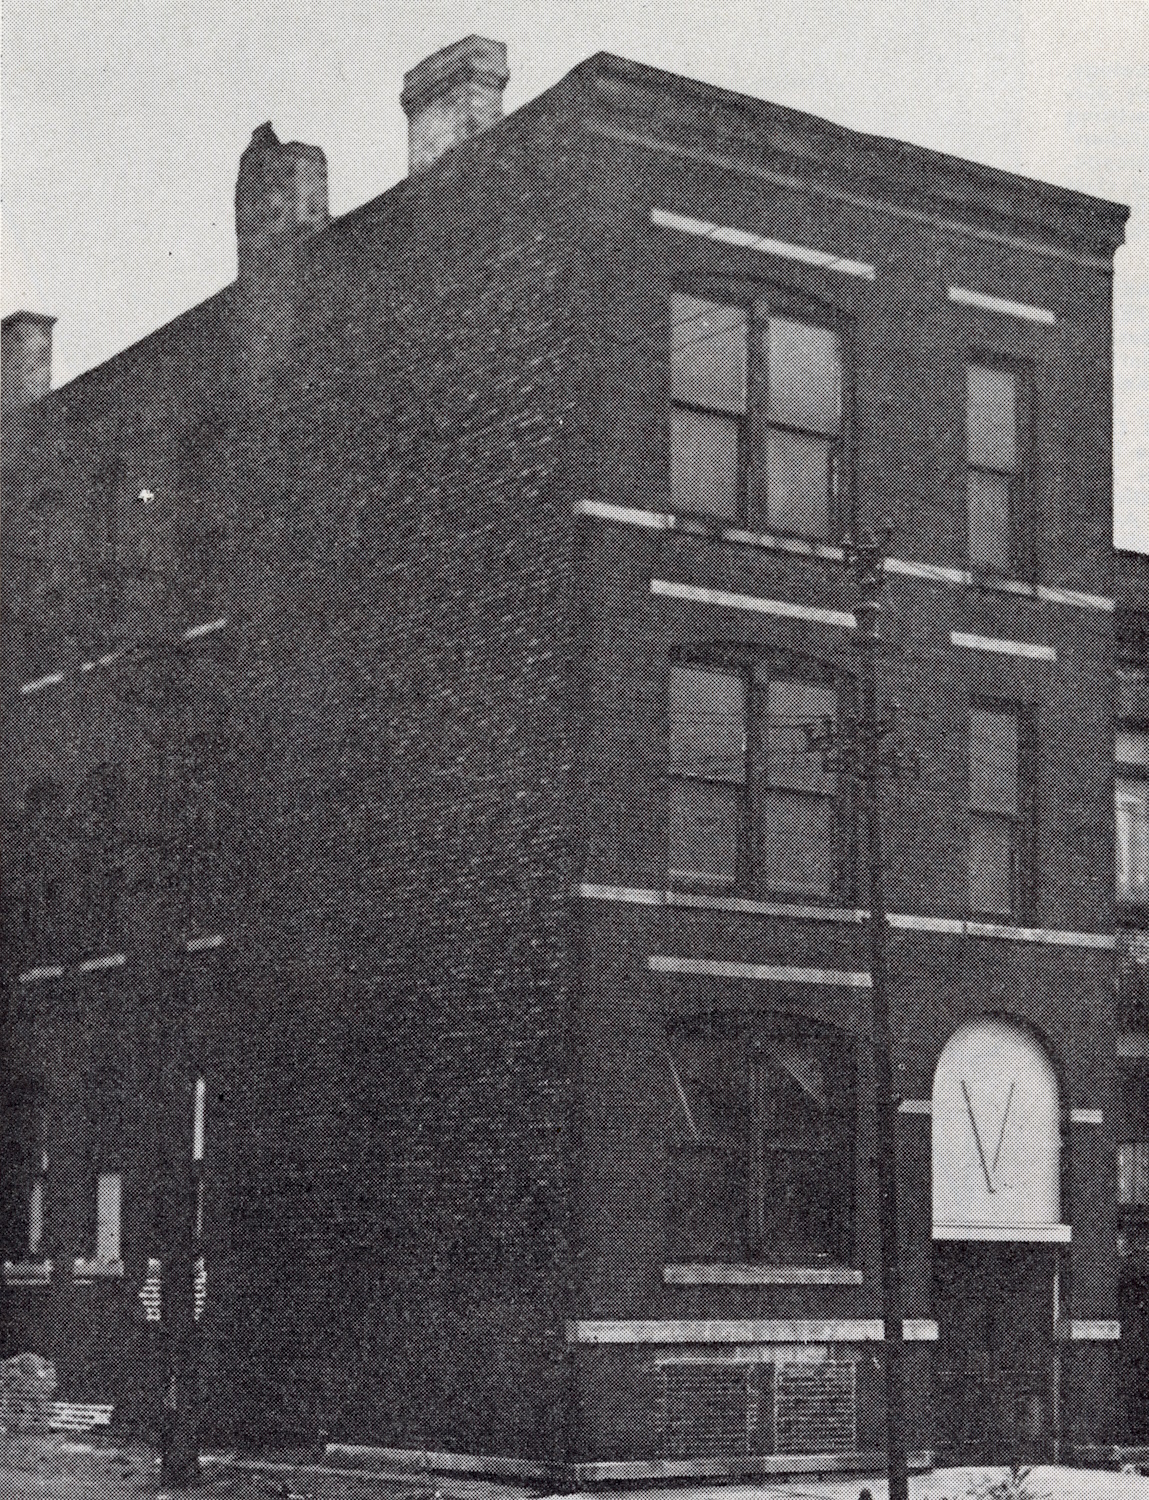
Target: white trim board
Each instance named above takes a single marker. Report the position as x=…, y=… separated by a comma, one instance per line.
x=760, y=1275
x=943, y=926
x=1088, y=1330
x=743, y=1330
x=1026, y=649
x=711, y=968
x=1004, y=305
x=1025, y=1234
x=690, y=593
x=722, y=234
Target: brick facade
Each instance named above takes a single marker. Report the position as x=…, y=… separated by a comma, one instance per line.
x=414, y=783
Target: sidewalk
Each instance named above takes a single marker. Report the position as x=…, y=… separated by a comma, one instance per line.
x=1044, y=1483
x=50, y=1468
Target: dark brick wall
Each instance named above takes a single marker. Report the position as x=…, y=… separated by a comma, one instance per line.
x=909, y=346
x=362, y=783
x=435, y=1097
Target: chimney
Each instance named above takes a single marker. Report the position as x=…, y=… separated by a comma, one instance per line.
x=452, y=95
x=25, y=359
x=280, y=201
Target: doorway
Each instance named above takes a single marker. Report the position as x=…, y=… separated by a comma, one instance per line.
x=994, y=1385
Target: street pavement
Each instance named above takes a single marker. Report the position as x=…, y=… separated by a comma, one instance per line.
x=50, y=1468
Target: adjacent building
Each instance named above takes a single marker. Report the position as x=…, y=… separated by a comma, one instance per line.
x=1132, y=806
x=427, y=911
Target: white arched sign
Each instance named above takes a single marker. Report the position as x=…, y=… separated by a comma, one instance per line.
x=996, y=1137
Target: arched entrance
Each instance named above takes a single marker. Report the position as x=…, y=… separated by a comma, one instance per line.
x=996, y=1172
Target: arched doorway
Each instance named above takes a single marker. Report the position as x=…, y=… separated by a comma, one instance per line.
x=996, y=1183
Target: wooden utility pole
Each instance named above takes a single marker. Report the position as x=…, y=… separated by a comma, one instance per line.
x=857, y=750
x=866, y=561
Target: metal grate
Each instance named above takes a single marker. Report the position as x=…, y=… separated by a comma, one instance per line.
x=816, y=1407
x=712, y=1411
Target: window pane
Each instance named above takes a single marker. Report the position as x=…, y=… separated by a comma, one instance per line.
x=800, y=1214
x=707, y=723
x=991, y=866
x=993, y=762
x=703, y=823
x=708, y=1138
x=1132, y=693
x=1132, y=747
x=798, y=483
x=1132, y=808
x=797, y=1092
x=991, y=417
x=790, y=762
x=990, y=544
x=708, y=349
x=108, y=1185
x=1133, y=1175
x=799, y=844
x=35, y=1217
x=704, y=475
x=804, y=371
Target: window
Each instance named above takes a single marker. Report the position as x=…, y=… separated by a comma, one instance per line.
x=757, y=417
x=750, y=803
x=109, y=1193
x=708, y=771
x=760, y=1142
x=1133, y=1153
x=1000, y=815
x=1132, y=815
x=25, y=1175
x=798, y=827
x=996, y=458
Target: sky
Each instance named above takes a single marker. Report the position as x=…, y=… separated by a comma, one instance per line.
x=123, y=124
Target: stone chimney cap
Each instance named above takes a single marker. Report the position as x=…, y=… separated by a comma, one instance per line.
x=12, y=318
x=475, y=57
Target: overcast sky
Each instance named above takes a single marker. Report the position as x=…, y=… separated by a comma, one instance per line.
x=123, y=122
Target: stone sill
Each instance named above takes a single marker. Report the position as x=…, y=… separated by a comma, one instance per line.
x=27, y=1272
x=751, y=1275
x=91, y=1270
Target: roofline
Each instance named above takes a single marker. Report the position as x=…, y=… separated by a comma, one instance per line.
x=953, y=172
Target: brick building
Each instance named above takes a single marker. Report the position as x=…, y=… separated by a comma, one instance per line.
x=1132, y=805
x=426, y=906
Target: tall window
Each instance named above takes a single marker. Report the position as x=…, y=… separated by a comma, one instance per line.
x=749, y=802
x=24, y=1169
x=1000, y=812
x=109, y=1196
x=997, y=423
x=1133, y=1153
x=1132, y=813
x=760, y=1142
x=757, y=417
x=799, y=823
x=708, y=775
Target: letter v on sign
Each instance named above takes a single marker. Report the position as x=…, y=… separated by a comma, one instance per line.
x=989, y=1164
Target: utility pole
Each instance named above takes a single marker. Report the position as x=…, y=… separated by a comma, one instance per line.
x=857, y=749
x=153, y=689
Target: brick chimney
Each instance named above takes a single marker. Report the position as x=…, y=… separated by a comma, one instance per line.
x=25, y=359
x=452, y=95
x=280, y=201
